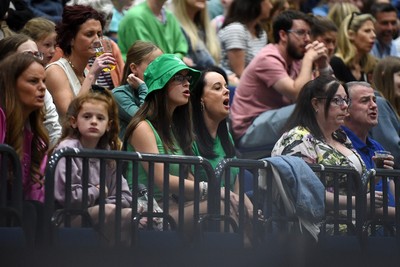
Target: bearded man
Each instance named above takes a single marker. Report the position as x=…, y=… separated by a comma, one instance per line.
x=272, y=81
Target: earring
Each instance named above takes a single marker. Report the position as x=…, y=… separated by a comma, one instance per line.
x=316, y=111
x=202, y=106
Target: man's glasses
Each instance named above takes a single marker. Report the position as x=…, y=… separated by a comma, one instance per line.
x=353, y=15
x=181, y=78
x=338, y=101
x=300, y=33
x=36, y=54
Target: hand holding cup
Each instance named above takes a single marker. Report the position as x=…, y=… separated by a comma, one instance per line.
x=105, y=46
x=383, y=158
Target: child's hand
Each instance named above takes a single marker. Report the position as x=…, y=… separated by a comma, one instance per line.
x=134, y=81
x=143, y=223
x=106, y=189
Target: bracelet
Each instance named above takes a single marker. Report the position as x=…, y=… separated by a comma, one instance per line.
x=204, y=190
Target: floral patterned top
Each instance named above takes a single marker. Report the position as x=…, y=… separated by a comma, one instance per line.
x=301, y=143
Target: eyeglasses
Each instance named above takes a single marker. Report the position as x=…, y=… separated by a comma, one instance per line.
x=338, y=101
x=181, y=78
x=36, y=54
x=353, y=15
x=300, y=33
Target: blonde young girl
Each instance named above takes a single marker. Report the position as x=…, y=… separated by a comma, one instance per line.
x=43, y=32
x=92, y=123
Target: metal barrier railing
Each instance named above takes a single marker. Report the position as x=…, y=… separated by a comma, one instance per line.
x=384, y=220
x=11, y=199
x=360, y=218
x=345, y=182
x=120, y=158
x=11, y=179
x=247, y=169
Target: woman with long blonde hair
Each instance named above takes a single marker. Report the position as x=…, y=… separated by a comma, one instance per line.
x=340, y=10
x=356, y=37
x=204, y=48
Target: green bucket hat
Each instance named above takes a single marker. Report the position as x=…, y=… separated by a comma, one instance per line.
x=163, y=68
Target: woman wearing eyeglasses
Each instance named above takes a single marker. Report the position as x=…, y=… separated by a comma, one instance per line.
x=313, y=130
x=162, y=125
x=356, y=37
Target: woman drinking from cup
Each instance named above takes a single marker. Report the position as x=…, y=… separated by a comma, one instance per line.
x=78, y=36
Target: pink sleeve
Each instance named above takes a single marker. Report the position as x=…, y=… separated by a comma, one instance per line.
x=43, y=165
x=2, y=126
x=271, y=70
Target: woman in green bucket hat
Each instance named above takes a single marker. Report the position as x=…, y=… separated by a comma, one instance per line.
x=162, y=125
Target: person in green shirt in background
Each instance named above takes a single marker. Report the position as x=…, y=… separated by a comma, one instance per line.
x=151, y=21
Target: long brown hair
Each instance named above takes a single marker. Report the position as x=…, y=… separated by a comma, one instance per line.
x=178, y=127
x=11, y=69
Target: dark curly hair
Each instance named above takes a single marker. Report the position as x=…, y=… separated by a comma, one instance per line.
x=72, y=19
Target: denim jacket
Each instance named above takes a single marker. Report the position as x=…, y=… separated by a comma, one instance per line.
x=302, y=185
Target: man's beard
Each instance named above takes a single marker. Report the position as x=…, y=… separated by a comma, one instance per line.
x=292, y=51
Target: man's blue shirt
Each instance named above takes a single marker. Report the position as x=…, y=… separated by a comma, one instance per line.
x=367, y=151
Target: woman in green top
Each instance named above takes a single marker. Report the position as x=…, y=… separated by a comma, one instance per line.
x=210, y=103
x=162, y=125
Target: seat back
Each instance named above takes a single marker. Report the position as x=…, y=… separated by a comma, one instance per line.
x=11, y=200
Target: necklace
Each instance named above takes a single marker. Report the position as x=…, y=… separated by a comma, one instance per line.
x=76, y=71
x=72, y=65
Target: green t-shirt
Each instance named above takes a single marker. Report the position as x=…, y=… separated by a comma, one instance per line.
x=140, y=23
x=142, y=174
x=219, y=151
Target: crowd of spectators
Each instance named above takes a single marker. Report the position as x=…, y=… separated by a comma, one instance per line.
x=314, y=79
